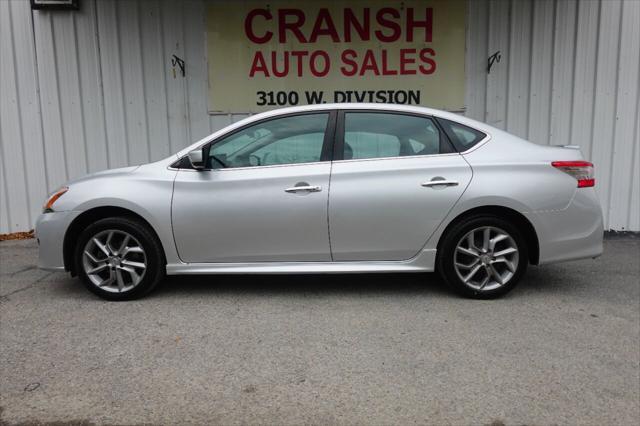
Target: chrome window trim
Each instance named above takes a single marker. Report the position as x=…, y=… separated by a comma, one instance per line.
x=404, y=157
x=229, y=169
x=486, y=139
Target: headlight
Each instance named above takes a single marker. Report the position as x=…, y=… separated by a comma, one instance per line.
x=48, y=206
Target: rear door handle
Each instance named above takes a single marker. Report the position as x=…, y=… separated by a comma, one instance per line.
x=307, y=188
x=432, y=183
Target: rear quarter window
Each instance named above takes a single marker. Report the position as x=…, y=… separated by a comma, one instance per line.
x=462, y=137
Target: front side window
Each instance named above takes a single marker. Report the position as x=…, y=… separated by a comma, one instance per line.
x=378, y=135
x=286, y=140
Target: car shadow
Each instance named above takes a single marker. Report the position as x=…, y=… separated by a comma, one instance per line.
x=271, y=284
x=537, y=280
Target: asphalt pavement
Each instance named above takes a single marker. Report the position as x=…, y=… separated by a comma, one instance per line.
x=562, y=348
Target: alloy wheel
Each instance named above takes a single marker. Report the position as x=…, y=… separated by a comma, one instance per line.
x=114, y=261
x=486, y=258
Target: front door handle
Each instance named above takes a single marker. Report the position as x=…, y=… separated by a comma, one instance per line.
x=437, y=182
x=305, y=188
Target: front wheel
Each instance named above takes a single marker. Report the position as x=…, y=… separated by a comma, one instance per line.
x=483, y=257
x=119, y=258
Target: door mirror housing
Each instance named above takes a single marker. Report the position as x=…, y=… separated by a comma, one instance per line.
x=196, y=159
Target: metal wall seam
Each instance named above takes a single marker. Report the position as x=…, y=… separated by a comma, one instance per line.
x=562, y=73
x=541, y=72
x=134, y=100
x=477, y=51
x=11, y=127
x=33, y=150
x=48, y=87
x=584, y=77
x=196, y=71
x=69, y=95
x=605, y=99
x=498, y=78
x=519, y=59
x=634, y=202
x=176, y=97
x=112, y=84
x=5, y=207
x=91, y=89
x=625, y=111
x=154, y=64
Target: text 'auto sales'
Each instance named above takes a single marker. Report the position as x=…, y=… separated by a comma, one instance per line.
x=384, y=25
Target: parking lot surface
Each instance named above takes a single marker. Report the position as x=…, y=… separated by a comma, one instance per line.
x=562, y=348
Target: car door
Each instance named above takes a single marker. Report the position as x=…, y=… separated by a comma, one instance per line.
x=394, y=179
x=262, y=197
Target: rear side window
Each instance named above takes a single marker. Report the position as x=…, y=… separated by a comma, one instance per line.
x=463, y=137
x=383, y=135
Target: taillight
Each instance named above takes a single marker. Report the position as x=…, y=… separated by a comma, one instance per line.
x=582, y=171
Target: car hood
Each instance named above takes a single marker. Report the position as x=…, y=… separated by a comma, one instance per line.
x=104, y=173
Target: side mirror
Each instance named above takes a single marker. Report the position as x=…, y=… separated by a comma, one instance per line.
x=195, y=158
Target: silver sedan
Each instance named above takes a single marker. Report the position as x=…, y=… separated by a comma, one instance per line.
x=330, y=189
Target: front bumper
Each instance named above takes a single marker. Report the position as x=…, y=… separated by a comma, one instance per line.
x=575, y=232
x=50, y=230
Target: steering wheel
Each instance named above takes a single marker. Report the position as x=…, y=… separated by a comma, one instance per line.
x=266, y=155
x=258, y=162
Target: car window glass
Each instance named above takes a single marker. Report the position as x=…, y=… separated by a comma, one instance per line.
x=371, y=145
x=286, y=140
x=377, y=135
x=304, y=148
x=462, y=136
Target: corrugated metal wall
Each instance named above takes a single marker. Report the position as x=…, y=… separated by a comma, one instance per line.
x=568, y=75
x=89, y=90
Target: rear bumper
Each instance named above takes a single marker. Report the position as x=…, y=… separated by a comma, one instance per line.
x=50, y=230
x=575, y=232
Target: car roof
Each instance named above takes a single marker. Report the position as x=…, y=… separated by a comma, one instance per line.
x=358, y=106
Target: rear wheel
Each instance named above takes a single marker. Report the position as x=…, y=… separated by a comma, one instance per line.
x=483, y=257
x=119, y=258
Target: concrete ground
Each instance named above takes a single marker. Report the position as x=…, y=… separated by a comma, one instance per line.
x=563, y=348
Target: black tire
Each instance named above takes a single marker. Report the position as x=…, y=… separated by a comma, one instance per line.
x=155, y=263
x=447, y=255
